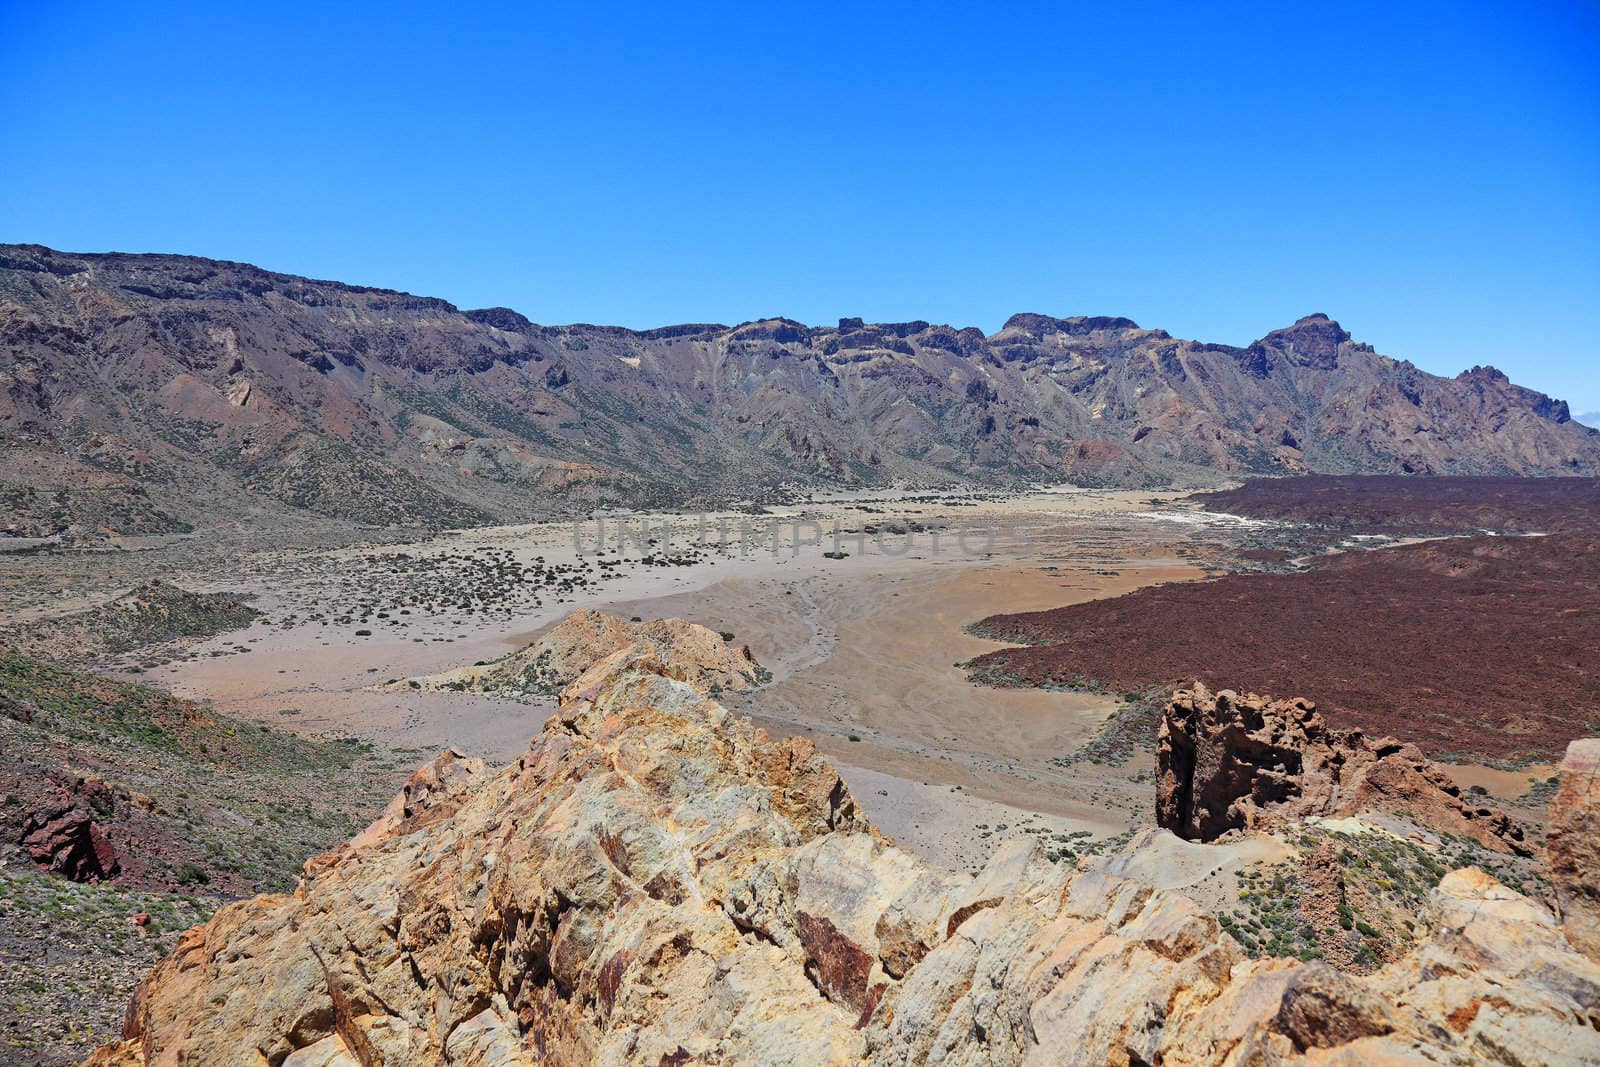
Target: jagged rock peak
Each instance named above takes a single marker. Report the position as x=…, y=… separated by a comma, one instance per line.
x=1226, y=761
x=1314, y=339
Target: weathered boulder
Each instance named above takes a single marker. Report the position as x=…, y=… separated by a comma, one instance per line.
x=1572, y=845
x=1226, y=761
x=658, y=882
x=1499, y=978
x=18, y=710
x=60, y=832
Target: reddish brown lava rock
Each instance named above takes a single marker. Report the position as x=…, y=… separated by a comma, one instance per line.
x=838, y=966
x=962, y=914
x=1230, y=762
x=61, y=833
x=1499, y=656
x=900, y=947
x=1321, y=1009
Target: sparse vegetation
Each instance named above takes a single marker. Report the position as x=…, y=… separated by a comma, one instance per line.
x=197, y=803
x=1355, y=899
x=72, y=954
x=1130, y=728
x=152, y=614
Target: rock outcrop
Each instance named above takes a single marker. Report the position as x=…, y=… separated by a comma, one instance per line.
x=61, y=833
x=656, y=881
x=1231, y=762
x=1572, y=845
x=691, y=652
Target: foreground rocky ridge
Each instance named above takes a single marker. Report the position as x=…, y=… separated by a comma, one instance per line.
x=1573, y=844
x=144, y=394
x=656, y=881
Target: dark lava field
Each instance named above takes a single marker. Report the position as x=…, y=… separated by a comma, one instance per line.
x=1479, y=646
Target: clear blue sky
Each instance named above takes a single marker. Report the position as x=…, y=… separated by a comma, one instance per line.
x=1429, y=174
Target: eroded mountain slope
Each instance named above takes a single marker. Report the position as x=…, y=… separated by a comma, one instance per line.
x=147, y=393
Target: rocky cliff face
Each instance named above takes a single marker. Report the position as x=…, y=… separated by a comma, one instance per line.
x=1231, y=762
x=657, y=882
x=150, y=393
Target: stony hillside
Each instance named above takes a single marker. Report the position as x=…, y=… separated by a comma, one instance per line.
x=101, y=780
x=143, y=394
x=705, y=659
x=657, y=882
x=128, y=815
x=153, y=613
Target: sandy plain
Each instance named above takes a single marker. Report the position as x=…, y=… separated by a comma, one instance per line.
x=864, y=647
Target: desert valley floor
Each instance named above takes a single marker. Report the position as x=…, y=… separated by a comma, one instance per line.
x=864, y=650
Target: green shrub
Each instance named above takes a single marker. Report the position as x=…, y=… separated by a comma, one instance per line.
x=192, y=873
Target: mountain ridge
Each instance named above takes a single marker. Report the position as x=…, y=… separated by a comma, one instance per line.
x=144, y=393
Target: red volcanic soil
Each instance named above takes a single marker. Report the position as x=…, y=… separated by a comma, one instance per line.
x=1487, y=646
x=1397, y=504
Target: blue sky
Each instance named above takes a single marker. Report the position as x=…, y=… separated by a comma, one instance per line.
x=1429, y=174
